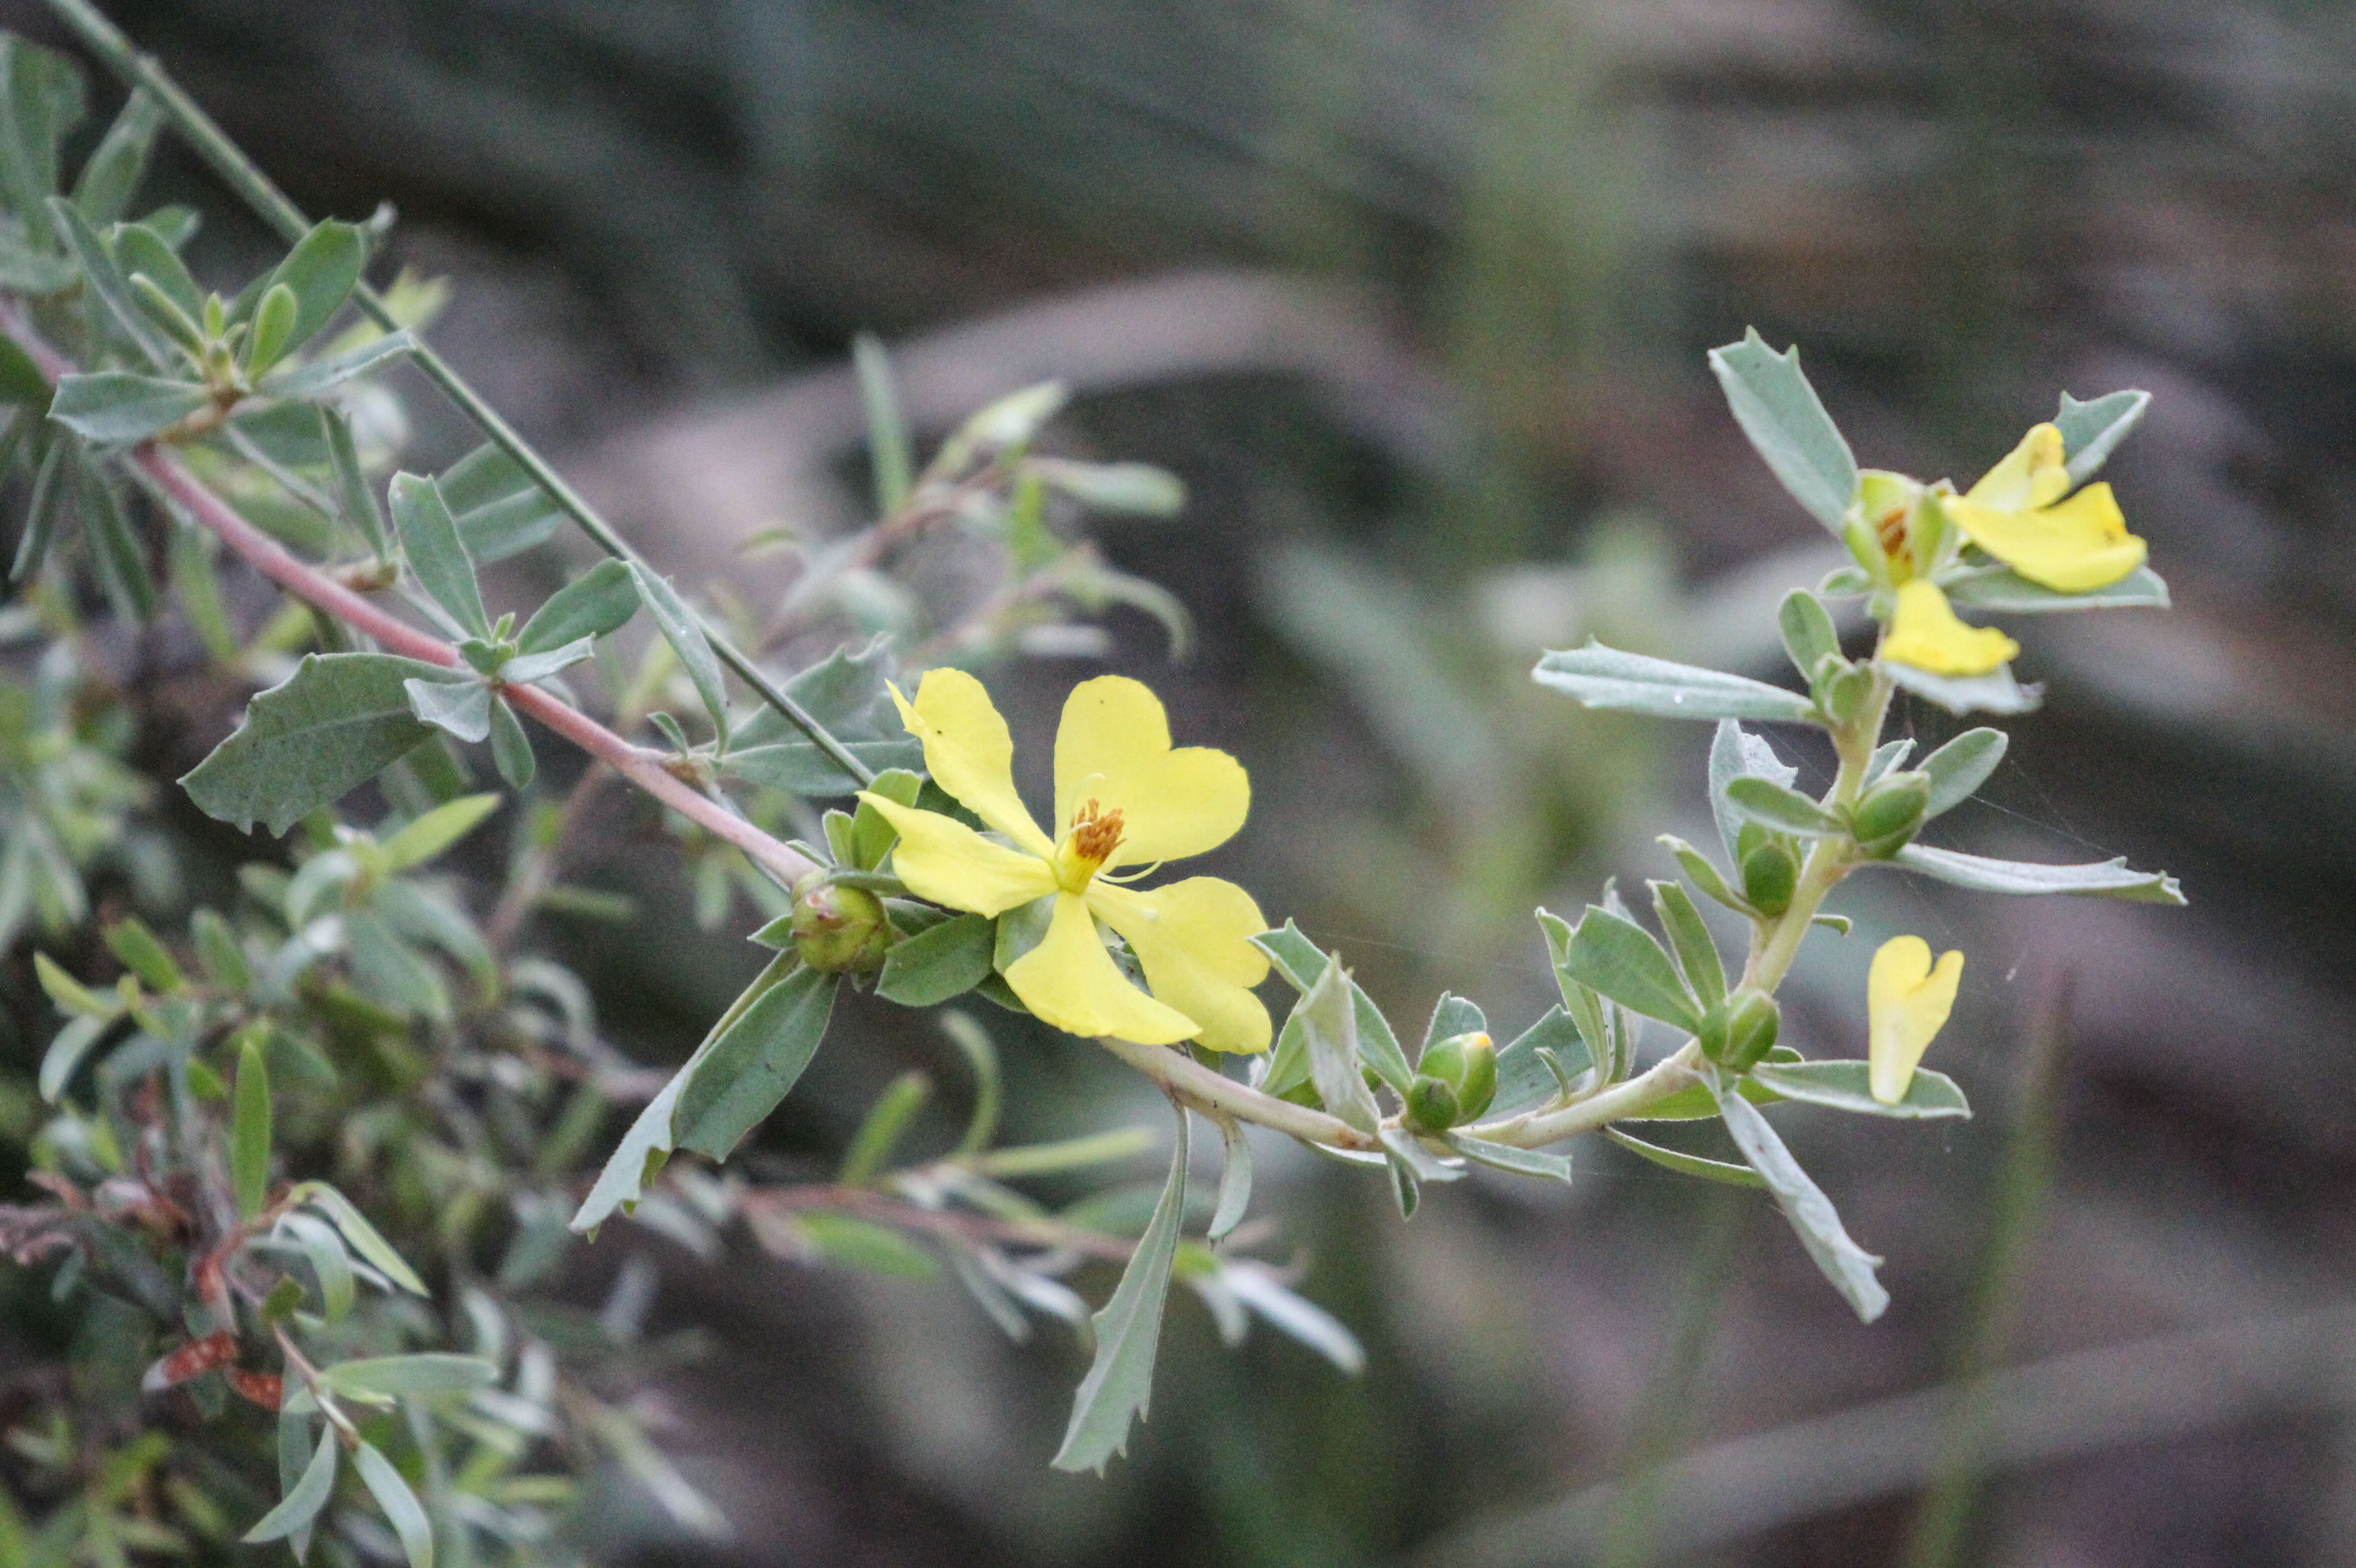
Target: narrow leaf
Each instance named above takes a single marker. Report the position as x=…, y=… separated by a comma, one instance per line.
x=1785, y=810
x=356, y=496
x=436, y=555
x=1848, y=1267
x=2092, y=430
x=1302, y=963
x=297, y=382
x=888, y=427
x=1330, y=1031
x=872, y=1146
x=321, y=270
x=1119, y=1381
x=2000, y=590
x=119, y=161
x=1686, y=1164
x=119, y=555
x=1994, y=693
x=394, y=1377
x=937, y=963
x=431, y=834
x=1606, y=678
x=1844, y=1086
x=1235, y=1176
x=337, y=722
x=41, y=511
x=1523, y=1075
x=755, y=1064
x=1734, y=754
x=801, y=768
x=461, y=708
x=511, y=750
x=1518, y=1161
x=597, y=603
x=1957, y=769
x=681, y=628
x=324, y=1247
x=115, y=407
x=1619, y=958
x=1808, y=631
x=2103, y=879
x=250, y=1133
x=1787, y=425
x=1407, y=1149
x=303, y=1502
x=101, y=277
x=1696, y=951
x=400, y=1504
x=373, y=1249
x=1703, y=873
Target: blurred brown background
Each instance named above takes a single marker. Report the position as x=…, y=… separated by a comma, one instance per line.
x=1415, y=293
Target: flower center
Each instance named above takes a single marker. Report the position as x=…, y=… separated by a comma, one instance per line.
x=1890, y=528
x=1095, y=835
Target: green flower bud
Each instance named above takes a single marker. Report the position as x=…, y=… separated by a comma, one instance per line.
x=1740, y=1029
x=1887, y=819
x=1467, y=1063
x=1431, y=1106
x=1770, y=872
x=839, y=929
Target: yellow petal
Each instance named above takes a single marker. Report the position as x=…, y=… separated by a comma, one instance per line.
x=1924, y=633
x=1907, y=1000
x=942, y=859
x=1193, y=940
x=1070, y=981
x=2031, y=475
x=968, y=751
x=1113, y=748
x=2078, y=546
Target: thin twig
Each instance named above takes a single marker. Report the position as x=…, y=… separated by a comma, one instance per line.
x=244, y=178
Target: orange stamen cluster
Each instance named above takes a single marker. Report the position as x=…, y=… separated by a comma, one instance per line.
x=1890, y=528
x=1095, y=834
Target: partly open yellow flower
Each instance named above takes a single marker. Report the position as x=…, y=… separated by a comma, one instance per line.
x=1907, y=998
x=1925, y=632
x=2017, y=514
x=1124, y=797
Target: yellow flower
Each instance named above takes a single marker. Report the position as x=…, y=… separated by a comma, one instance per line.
x=1925, y=632
x=1907, y=999
x=2017, y=514
x=1124, y=798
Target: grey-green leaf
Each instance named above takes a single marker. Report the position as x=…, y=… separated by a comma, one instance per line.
x=114, y=170
x=115, y=407
x=352, y=489
x=400, y=1504
x=1330, y=1034
x=753, y=1063
x=1302, y=963
x=249, y=1158
x=1957, y=769
x=302, y=1504
x=322, y=270
x=1848, y=1267
x=597, y=603
x=1505, y=1157
x=1696, y=951
x=1735, y=753
x=103, y=279
x=118, y=553
x=684, y=632
x=460, y=708
x=1845, y=1086
x=364, y=1237
x=2092, y=430
x=501, y=510
x=337, y=722
x=1808, y=631
x=438, y=557
x=2000, y=590
x=937, y=963
x=2103, y=879
x=1994, y=693
x=333, y=1265
x=1785, y=810
x=800, y=767
x=1235, y=1176
x=1407, y=1150
x=297, y=382
x=1119, y=1381
x=1613, y=954
x=1686, y=1164
x=1523, y=1076
x=430, y=1372
x=1606, y=678
x=511, y=750
x=1781, y=414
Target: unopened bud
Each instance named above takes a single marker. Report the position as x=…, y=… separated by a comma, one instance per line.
x=1467, y=1064
x=1770, y=872
x=1432, y=1104
x=839, y=929
x=1886, y=820
x=1740, y=1029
